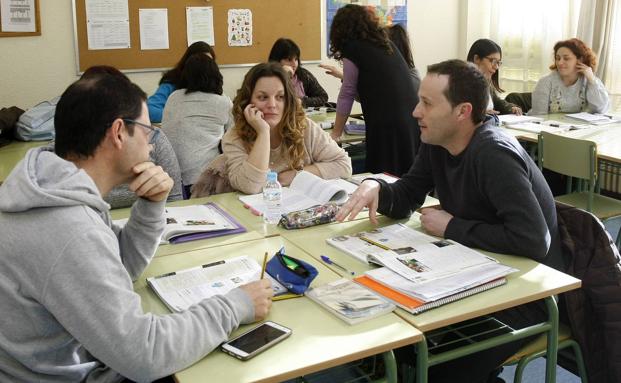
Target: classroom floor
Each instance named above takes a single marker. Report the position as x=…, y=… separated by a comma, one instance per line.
x=535, y=372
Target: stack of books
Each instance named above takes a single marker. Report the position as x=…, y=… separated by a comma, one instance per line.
x=420, y=272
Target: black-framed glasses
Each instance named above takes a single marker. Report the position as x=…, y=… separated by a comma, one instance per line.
x=494, y=61
x=153, y=131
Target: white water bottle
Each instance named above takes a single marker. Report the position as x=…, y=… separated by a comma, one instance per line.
x=272, y=197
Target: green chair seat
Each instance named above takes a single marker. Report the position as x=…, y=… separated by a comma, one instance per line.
x=603, y=207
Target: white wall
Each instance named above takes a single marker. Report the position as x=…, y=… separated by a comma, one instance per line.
x=38, y=68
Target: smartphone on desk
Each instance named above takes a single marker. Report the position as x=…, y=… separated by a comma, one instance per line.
x=256, y=340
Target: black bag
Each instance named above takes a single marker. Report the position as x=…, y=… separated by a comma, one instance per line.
x=8, y=119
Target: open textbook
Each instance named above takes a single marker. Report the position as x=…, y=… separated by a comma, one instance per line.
x=187, y=223
x=181, y=289
x=414, y=255
x=594, y=119
x=306, y=190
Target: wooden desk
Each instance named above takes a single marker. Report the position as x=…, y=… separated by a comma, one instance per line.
x=319, y=340
x=532, y=282
x=330, y=117
x=11, y=154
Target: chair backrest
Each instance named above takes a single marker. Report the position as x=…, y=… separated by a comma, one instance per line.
x=572, y=157
x=569, y=156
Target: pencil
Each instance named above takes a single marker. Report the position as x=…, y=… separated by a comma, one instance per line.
x=264, y=263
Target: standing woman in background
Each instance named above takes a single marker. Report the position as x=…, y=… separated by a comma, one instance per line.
x=196, y=116
x=487, y=56
x=307, y=88
x=375, y=71
x=171, y=79
x=571, y=87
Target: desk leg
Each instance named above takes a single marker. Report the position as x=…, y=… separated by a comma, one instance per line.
x=552, y=348
x=390, y=364
x=422, y=361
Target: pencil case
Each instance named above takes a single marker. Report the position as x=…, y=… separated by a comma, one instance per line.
x=316, y=215
x=295, y=274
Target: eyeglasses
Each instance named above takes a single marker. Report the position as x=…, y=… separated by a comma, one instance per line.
x=494, y=61
x=153, y=131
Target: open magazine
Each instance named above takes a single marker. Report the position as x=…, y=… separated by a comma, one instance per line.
x=187, y=223
x=414, y=255
x=306, y=190
x=181, y=289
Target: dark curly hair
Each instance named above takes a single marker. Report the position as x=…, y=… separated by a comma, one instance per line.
x=578, y=48
x=355, y=22
x=291, y=126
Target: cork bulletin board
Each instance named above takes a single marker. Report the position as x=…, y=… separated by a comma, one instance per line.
x=299, y=20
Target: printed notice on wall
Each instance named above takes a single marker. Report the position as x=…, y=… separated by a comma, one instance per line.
x=199, y=22
x=107, y=24
x=153, y=28
x=240, y=27
x=18, y=15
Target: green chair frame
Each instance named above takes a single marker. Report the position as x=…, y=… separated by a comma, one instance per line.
x=537, y=349
x=577, y=158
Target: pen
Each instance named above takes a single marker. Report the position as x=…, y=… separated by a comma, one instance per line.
x=327, y=260
x=264, y=263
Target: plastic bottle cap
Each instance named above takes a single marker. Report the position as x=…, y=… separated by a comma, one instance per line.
x=272, y=176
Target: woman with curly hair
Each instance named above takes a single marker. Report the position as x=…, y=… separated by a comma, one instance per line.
x=571, y=87
x=375, y=71
x=272, y=132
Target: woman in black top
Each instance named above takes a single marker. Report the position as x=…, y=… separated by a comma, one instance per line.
x=374, y=69
x=287, y=53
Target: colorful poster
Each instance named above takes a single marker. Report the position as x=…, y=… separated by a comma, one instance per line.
x=240, y=27
x=389, y=12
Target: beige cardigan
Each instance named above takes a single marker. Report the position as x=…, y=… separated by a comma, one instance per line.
x=319, y=148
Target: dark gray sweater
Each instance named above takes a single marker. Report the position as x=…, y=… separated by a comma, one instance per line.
x=497, y=195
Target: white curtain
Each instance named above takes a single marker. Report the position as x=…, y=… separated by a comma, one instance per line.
x=527, y=31
x=600, y=28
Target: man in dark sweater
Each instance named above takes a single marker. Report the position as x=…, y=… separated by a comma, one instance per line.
x=492, y=194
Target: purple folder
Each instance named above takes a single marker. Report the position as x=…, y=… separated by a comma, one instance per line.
x=210, y=234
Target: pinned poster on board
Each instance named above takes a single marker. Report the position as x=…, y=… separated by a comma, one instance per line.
x=239, y=27
x=107, y=24
x=199, y=23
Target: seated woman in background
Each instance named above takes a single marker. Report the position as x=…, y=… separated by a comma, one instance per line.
x=196, y=116
x=487, y=56
x=571, y=87
x=272, y=132
x=307, y=88
x=171, y=79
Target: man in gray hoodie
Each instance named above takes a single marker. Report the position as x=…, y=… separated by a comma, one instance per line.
x=68, y=306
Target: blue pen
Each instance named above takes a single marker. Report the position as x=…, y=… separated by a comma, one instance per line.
x=327, y=260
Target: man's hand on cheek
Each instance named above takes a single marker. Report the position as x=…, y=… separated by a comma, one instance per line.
x=151, y=182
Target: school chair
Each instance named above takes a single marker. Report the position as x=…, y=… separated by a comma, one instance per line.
x=537, y=349
x=576, y=158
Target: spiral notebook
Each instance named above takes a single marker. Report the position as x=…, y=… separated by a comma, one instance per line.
x=416, y=306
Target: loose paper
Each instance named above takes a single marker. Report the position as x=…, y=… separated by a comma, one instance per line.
x=153, y=28
x=18, y=15
x=239, y=27
x=107, y=24
x=200, y=25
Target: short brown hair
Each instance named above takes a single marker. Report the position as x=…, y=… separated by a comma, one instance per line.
x=578, y=48
x=466, y=84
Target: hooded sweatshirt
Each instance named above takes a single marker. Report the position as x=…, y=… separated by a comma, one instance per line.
x=68, y=306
